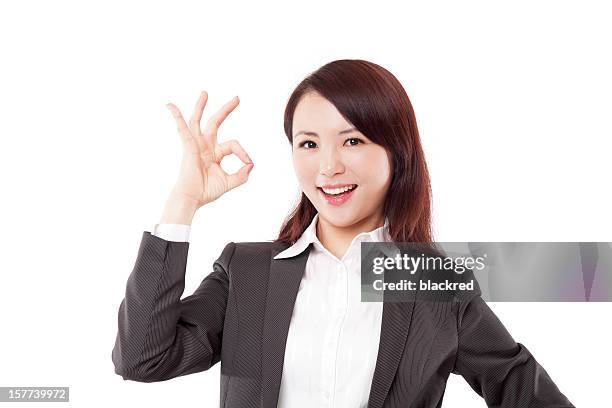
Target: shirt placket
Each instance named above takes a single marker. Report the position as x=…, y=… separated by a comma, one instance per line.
x=338, y=313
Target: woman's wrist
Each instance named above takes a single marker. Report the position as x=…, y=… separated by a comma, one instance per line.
x=179, y=209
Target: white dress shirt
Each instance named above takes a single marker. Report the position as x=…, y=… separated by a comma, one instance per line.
x=333, y=337
x=172, y=232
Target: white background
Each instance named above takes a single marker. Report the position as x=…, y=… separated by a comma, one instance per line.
x=512, y=101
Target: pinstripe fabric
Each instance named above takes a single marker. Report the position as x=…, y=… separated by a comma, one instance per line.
x=240, y=316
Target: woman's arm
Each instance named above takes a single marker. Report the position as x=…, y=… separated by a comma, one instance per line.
x=161, y=336
x=500, y=370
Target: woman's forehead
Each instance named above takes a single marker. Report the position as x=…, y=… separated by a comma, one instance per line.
x=315, y=114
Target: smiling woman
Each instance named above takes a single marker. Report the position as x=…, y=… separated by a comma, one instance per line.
x=351, y=122
x=358, y=158
x=328, y=157
x=285, y=318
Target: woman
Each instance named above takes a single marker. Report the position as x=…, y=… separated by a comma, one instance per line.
x=285, y=317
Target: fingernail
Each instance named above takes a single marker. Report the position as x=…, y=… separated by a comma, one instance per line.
x=250, y=168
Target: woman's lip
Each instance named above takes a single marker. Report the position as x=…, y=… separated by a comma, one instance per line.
x=336, y=185
x=330, y=186
x=321, y=188
x=339, y=199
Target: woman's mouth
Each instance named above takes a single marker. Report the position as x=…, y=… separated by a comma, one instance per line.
x=337, y=196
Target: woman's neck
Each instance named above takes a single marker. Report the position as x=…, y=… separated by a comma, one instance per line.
x=337, y=239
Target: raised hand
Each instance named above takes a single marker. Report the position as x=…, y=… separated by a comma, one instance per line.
x=201, y=179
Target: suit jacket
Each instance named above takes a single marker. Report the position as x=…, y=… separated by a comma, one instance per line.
x=240, y=316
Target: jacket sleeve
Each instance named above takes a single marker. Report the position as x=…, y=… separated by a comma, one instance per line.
x=500, y=370
x=159, y=335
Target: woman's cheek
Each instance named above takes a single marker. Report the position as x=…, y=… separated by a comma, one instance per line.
x=306, y=176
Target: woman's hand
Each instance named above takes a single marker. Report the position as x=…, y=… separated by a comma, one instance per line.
x=201, y=179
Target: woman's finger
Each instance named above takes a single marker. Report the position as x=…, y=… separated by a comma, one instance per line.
x=196, y=117
x=212, y=126
x=240, y=177
x=180, y=122
x=233, y=146
x=181, y=126
x=194, y=122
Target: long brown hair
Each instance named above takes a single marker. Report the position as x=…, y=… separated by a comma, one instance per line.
x=373, y=100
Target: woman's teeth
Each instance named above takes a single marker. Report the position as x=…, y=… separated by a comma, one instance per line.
x=335, y=191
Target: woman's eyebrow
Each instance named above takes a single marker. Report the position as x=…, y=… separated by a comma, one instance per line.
x=308, y=133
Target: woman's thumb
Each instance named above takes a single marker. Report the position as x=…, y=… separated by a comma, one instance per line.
x=249, y=167
x=241, y=176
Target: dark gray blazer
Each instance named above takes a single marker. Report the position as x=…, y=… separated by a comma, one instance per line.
x=240, y=315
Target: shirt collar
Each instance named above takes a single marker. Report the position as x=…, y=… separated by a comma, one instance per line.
x=380, y=234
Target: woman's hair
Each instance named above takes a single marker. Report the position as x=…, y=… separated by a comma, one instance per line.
x=373, y=100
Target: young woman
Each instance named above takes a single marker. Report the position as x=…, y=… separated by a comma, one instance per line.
x=285, y=317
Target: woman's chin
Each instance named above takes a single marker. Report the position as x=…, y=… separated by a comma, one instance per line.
x=337, y=218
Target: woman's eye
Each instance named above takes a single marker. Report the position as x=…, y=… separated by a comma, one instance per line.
x=355, y=138
x=304, y=142
x=313, y=144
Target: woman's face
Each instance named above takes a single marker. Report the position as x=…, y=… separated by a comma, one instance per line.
x=327, y=150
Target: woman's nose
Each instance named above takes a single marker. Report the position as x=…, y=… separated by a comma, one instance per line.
x=330, y=164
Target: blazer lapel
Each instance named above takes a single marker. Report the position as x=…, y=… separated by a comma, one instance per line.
x=283, y=285
x=396, y=319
